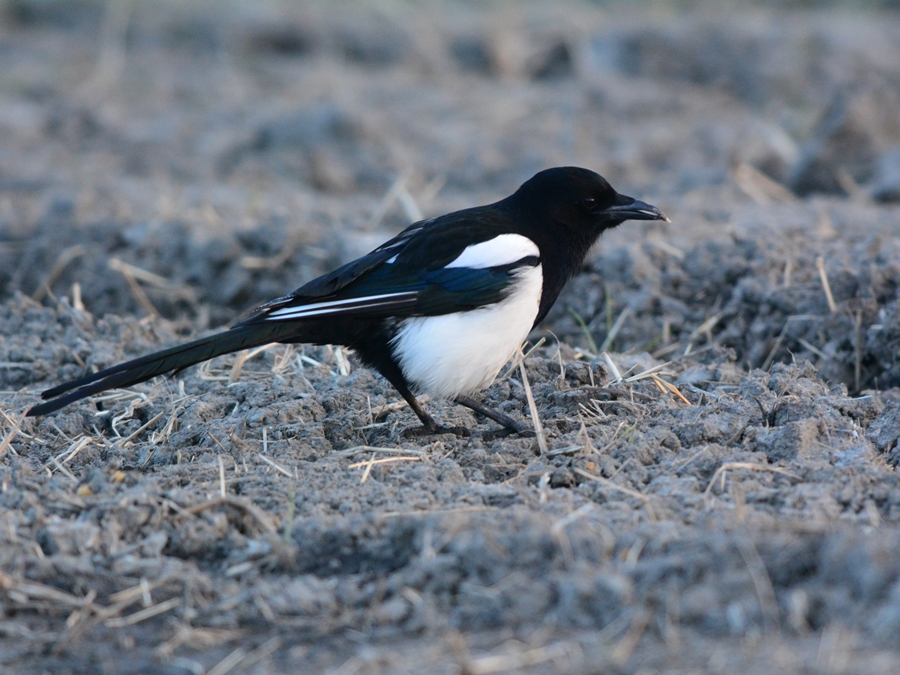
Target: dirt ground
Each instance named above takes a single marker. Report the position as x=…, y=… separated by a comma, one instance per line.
x=730, y=504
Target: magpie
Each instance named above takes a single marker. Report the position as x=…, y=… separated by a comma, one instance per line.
x=437, y=310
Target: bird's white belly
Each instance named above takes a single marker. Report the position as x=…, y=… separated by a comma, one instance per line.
x=461, y=353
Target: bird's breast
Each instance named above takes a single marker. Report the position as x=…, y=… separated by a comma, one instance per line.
x=461, y=353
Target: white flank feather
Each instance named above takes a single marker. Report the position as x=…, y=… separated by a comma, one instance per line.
x=461, y=353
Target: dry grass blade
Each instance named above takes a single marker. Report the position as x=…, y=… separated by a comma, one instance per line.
x=517, y=360
x=264, y=650
x=283, y=360
x=759, y=187
x=410, y=207
x=244, y=356
x=823, y=277
x=197, y=638
x=111, y=56
x=815, y=350
x=871, y=509
x=384, y=460
x=621, y=488
x=617, y=394
x=510, y=662
x=137, y=432
x=252, y=262
x=136, y=290
x=613, y=368
x=275, y=465
x=392, y=195
x=246, y=505
x=134, y=274
x=133, y=593
x=79, y=615
x=229, y=663
x=532, y=407
x=205, y=372
x=614, y=331
x=147, y=277
x=780, y=339
x=239, y=360
x=659, y=385
x=577, y=514
x=116, y=395
x=849, y=184
x=593, y=415
x=216, y=441
x=356, y=450
x=666, y=247
x=245, y=659
x=647, y=374
x=340, y=358
x=62, y=262
x=705, y=328
x=223, y=493
x=629, y=642
x=24, y=592
x=369, y=463
x=8, y=439
x=749, y=466
x=399, y=405
x=63, y=470
x=668, y=386
x=762, y=583
x=433, y=512
x=857, y=350
x=592, y=345
x=144, y=614
x=74, y=449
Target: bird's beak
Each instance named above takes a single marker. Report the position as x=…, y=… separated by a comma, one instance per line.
x=628, y=208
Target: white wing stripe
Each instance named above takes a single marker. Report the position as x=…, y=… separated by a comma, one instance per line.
x=501, y=250
x=317, y=308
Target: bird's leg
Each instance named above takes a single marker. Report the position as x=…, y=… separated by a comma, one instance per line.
x=512, y=426
x=429, y=426
x=373, y=353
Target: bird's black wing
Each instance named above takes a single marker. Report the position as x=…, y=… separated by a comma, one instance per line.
x=405, y=276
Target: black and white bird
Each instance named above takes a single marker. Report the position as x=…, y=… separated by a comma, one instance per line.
x=438, y=309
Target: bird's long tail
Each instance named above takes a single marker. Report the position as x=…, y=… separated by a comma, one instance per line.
x=159, y=363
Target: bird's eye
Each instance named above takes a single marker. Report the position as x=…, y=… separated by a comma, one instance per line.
x=589, y=202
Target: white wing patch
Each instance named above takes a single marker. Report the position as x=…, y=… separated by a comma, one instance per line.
x=337, y=306
x=501, y=250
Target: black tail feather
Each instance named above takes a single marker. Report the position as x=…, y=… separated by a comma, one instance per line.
x=160, y=363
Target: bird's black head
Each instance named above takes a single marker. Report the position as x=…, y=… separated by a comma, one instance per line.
x=564, y=211
x=580, y=200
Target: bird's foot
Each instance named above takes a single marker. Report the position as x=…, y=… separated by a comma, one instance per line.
x=514, y=429
x=428, y=430
x=510, y=426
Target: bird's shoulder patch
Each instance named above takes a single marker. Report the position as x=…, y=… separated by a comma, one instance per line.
x=499, y=251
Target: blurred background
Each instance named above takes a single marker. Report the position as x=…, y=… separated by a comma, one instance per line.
x=217, y=154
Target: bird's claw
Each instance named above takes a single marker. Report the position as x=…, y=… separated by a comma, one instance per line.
x=437, y=429
x=518, y=429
